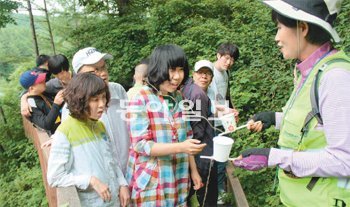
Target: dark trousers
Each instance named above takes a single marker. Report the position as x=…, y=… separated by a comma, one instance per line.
x=212, y=190
x=221, y=166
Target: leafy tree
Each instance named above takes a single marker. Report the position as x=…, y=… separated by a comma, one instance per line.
x=6, y=7
x=20, y=173
x=260, y=79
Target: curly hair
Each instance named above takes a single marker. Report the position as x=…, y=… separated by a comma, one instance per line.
x=79, y=91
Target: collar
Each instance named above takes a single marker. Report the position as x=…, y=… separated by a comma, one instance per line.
x=138, y=85
x=306, y=66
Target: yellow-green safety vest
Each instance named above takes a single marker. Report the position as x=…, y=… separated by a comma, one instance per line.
x=330, y=191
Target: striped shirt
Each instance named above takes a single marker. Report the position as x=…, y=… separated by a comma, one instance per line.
x=334, y=101
x=162, y=180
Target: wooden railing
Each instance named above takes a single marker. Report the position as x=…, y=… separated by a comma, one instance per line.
x=69, y=197
x=56, y=196
x=234, y=186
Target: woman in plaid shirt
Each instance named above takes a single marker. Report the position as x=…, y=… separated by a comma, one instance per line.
x=161, y=149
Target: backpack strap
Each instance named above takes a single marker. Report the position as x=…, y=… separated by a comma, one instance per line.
x=315, y=110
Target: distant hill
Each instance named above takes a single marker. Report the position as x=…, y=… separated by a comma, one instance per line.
x=16, y=44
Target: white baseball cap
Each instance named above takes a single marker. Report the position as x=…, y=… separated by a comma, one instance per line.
x=88, y=56
x=203, y=64
x=319, y=12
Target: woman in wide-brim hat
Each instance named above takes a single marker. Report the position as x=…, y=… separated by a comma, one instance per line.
x=314, y=141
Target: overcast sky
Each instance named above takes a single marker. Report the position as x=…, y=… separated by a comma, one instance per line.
x=36, y=5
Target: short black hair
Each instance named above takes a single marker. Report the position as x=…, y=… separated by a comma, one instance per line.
x=58, y=63
x=162, y=59
x=41, y=60
x=228, y=48
x=316, y=34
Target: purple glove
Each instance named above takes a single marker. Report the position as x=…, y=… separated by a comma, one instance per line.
x=253, y=159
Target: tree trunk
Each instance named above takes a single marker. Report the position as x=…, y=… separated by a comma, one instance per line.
x=123, y=6
x=107, y=3
x=49, y=27
x=35, y=41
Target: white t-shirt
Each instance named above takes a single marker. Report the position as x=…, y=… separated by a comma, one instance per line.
x=218, y=88
x=217, y=91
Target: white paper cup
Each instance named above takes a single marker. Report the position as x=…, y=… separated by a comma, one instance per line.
x=222, y=148
x=229, y=122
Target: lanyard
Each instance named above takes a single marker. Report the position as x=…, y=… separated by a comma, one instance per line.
x=173, y=125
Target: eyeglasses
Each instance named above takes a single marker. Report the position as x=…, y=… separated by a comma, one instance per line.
x=96, y=70
x=228, y=57
x=207, y=73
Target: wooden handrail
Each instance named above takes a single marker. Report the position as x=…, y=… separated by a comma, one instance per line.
x=55, y=196
x=234, y=186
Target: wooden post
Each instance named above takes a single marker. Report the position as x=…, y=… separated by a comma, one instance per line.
x=2, y=115
x=235, y=186
x=32, y=26
x=49, y=28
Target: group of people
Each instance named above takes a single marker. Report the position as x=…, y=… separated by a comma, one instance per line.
x=143, y=148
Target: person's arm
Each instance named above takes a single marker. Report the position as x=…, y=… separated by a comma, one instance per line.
x=45, y=121
x=59, y=173
x=124, y=195
x=26, y=110
x=334, y=159
x=198, y=127
x=196, y=178
x=142, y=140
x=190, y=146
x=278, y=118
x=48, y=121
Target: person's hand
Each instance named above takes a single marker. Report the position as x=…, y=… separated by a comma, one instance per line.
x=101, y=189
x=46, y=144
x=26, y=110
x=253, y=159
x=59, y=98
x=124, y=196
x=222, y=110
x=192, y=146
x=254, y=126
x=236, y=113
x=267, y=118
x=197, y=180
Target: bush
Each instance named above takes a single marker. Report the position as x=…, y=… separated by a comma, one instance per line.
x=20, y=172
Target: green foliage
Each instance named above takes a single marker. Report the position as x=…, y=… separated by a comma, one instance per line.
x=260, y=79
x=20, y=172
x=6, y=7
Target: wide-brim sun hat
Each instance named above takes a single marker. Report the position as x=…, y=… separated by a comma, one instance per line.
x=88, y=56
x=318, y=12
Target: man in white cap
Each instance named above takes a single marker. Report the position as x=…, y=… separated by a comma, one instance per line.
x=195, y=91
x=90, y=60
x=314, y=143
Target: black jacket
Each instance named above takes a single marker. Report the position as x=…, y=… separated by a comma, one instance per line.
x=43, y=115
x=200, y=127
